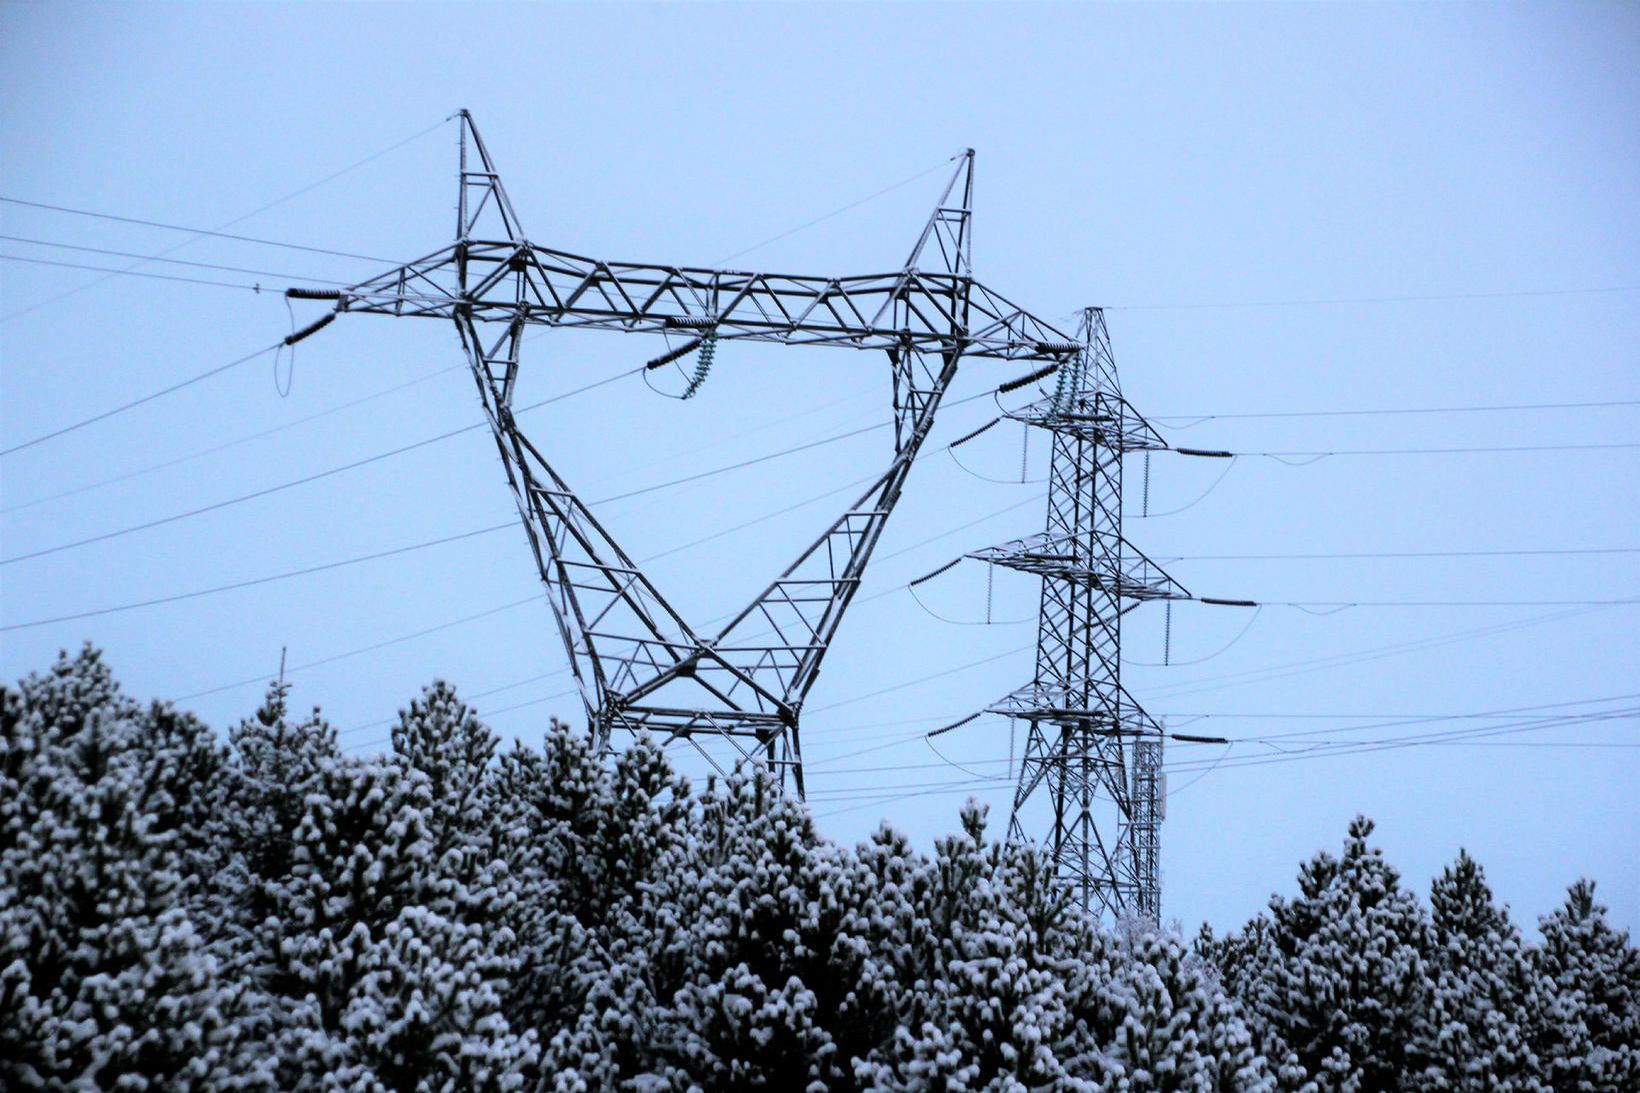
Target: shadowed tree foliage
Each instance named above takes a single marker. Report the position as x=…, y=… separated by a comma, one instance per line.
x=1335, y=979
x=107, y=975
x=1477, y=1033
x=1588, y=1027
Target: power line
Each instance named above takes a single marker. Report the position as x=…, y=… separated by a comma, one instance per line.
x=487, y=530
x=945, y=789
x=253, y=495
x=304, y=480
x=766, y=457
x=848, y=793
x=189, y=382
x=386, y=554
x=1447, y=603
x=1384, y=721
x=1368, y=654
x=1352, y=748
x=399, y=640
x=565, y=671
x=835, y=212
x=1337, y=660
x=323, y=568
x=558, y=672
x=242, y=440
x=1314, y=301
x=232, y=443
x=743, y=525
x=194, y=231
x=864, y=599
x=1389, y=718
x=888, y=768
x=468, y=698
x=834, y=438
x=167, y=261
x=112, y=272
x=1394, y=721
x=1033, y=499
x=1315, y=455
x=888, y=793
x=1447, y=739
x=213, y=449
x=1526, y=744
x=885, y=592
x=1196, y=419
x=663, y=553
x=378, y=457
x=216, y=232
x=623, y=496
x=973, y=786
x=981, y=782
x=1403, y=554
x=1317, y=748
x=517, y=603
x=922, y=679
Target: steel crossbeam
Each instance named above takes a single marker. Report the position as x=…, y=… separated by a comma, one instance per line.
x=638, y=663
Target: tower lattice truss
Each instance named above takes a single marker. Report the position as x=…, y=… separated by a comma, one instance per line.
x=736, y=692
x=1090, y=782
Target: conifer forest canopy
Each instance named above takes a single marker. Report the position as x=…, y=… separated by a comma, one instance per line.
x=1401, y=235
x=269, y=913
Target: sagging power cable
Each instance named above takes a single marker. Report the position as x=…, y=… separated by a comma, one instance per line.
x=1192, y=420
x=304, y=480
x=255, y=581
x=169, y=261
x=134, y=403
x=212, y=450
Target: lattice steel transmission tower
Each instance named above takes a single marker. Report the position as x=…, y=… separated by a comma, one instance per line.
x=735, y=693
x=1090, y=780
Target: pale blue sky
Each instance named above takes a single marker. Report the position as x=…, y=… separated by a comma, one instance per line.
x=1137, y=157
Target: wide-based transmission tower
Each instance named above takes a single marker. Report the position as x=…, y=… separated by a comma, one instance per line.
x=734, y=693
x=1089, y=786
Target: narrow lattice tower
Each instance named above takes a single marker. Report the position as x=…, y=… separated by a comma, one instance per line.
x=1090, y=781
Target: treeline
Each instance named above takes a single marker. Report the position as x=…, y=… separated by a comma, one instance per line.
x=177, y=911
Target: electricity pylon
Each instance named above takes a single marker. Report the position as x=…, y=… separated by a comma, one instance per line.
x=1091, y=751
x=638, y=664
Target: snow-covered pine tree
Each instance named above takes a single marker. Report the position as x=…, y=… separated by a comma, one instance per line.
x=1477, y=1033
x=891, y=922
x=644, y=840
x=274, y=765
x=106, y=978
x=737, y=935
x=387, y=990
x=583, y=843
x=1242, y=960
x=374, y=953
x=1338, y=983
x=1587, y=1034
x=982, y=976
x=1150, y=1015
x=440, y=738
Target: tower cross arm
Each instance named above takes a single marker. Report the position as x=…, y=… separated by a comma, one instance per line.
x=515, y=280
